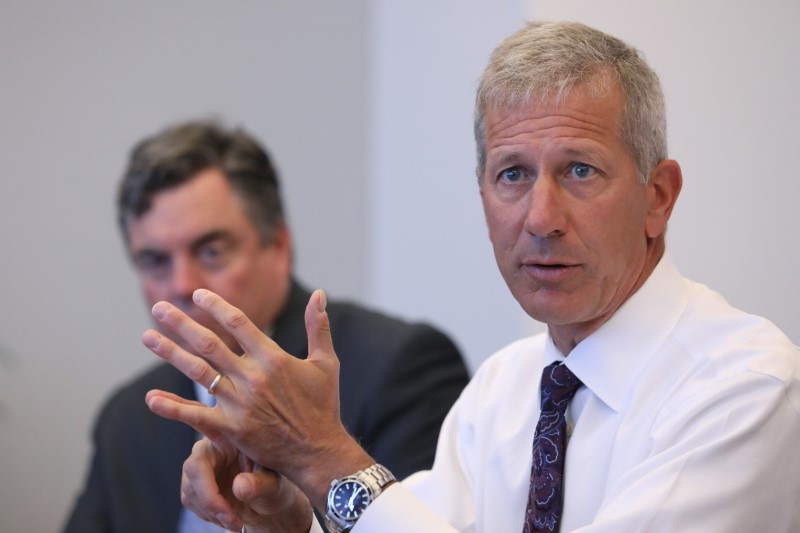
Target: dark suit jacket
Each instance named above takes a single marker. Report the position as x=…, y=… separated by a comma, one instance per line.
x=397, y=382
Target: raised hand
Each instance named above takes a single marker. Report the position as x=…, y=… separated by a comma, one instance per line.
x=280, y=411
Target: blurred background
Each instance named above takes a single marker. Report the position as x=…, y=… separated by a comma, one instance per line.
x=366, y=108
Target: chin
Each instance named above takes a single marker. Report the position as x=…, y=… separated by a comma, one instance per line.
x=551, y=312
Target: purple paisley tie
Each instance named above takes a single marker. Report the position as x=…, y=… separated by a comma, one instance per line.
x=545, y=499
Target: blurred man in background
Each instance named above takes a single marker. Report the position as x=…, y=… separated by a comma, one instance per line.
x=199, y=207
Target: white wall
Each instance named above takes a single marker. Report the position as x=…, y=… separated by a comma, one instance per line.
x=367, y=109
x=429, y=252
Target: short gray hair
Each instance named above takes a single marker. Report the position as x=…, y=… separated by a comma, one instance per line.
x=178, y=153
x=545, y=61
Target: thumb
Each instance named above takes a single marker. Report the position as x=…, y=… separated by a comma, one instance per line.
x=318, y=327
x=263, y=491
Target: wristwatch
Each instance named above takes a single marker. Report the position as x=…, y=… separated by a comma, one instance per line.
x=349, y=496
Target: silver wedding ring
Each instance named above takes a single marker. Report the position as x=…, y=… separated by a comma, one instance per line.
x=212, y=389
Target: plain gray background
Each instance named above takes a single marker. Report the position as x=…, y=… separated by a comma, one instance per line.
x=366, y=107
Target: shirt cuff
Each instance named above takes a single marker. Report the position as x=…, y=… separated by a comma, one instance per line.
x=315, y=527
x=397, y=510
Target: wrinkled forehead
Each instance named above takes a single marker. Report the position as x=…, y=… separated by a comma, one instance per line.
x=597, y=106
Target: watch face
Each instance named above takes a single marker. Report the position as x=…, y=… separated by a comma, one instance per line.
x=350, y=500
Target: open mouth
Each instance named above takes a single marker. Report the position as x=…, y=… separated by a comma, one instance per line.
x=549, y=272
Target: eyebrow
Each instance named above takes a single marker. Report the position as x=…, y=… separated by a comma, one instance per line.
x=574, y=152
x=505, y=159
x=210, y=237
x=204, y=239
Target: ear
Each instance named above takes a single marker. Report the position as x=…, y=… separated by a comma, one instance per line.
x=663, y=189
x=282, y=244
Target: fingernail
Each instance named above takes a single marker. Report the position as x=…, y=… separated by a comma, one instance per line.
x=199, y=295
x=224, y=519
x=159, y=311
x=323, y=301
x=150, y=339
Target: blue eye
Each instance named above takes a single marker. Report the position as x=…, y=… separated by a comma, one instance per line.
x=511, y=175
x=582, y=171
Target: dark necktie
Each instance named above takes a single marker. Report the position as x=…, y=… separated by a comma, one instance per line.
x=545, y=499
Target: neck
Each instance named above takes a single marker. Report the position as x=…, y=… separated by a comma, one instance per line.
x=567, y=337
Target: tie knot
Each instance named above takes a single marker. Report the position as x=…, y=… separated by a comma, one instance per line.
x=558, y=387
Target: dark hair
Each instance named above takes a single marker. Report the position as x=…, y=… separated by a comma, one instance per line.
x=177, y=154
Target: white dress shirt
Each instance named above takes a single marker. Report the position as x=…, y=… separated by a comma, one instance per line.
x=688, y=422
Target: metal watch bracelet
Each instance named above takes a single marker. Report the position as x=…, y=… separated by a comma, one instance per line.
x=374, y=479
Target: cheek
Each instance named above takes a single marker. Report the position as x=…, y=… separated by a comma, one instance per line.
x=153, y=292
x=231, y=283
x=247, y=280
x=500, y=224
x=620, y=239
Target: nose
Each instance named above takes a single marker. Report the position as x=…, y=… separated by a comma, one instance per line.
x=186, y=278
x=546, y=215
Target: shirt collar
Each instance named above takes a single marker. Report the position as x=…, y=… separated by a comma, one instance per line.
x=609, y=360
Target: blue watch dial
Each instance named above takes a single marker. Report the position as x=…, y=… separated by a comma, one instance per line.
x=350, y=500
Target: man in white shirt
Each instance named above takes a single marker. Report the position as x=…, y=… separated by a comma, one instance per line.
x=687, y=419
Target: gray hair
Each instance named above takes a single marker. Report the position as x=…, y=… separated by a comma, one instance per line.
x=177, y=154
x=545, y=61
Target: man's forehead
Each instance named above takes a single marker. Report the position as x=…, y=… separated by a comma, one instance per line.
x=581, y=114
x=176, y=226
